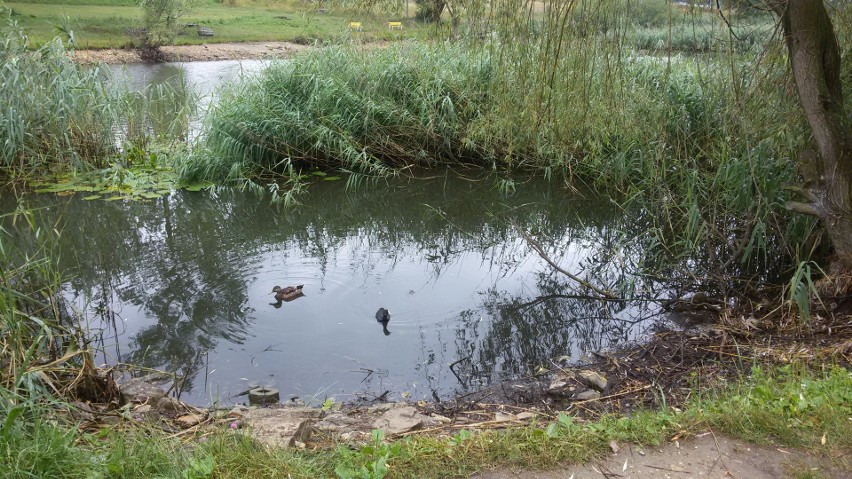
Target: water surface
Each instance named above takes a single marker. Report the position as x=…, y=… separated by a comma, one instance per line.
x=183, y=283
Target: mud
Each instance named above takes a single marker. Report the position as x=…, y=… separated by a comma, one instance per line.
x=190, y=53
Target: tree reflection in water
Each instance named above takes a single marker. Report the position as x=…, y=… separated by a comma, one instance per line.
x=182, y=283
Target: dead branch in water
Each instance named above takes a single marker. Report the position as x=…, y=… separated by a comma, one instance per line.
x=536, y=246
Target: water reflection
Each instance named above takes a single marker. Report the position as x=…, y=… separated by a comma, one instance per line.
x=171, y=99
x=183, y=283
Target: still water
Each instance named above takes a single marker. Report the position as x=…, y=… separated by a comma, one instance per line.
x=183, y=283
x=193, y=83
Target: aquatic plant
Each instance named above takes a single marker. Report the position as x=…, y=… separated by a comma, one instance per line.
x=54, y=112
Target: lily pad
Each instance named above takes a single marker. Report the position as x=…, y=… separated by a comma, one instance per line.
x=198, y=186
x=91, y=197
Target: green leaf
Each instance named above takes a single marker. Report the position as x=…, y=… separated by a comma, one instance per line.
x=552, y=430
x=91, y=197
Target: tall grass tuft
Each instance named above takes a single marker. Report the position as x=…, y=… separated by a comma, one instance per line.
x=53, y=112
x=58, y=116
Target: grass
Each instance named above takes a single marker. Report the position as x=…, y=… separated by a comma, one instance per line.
x=104, y=25
x=792, y=406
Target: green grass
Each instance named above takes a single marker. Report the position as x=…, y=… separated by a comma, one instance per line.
x=105, y=24
x=786, y=406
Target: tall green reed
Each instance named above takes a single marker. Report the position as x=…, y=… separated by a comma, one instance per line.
x=710, y=152
x=62, y=117
x=55, y=113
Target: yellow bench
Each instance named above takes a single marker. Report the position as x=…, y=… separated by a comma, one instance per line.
x=394, y=25
x=355, y=26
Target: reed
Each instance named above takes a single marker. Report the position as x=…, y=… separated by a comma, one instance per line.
x=54, y=113
x=706, y=142
x=59, y=117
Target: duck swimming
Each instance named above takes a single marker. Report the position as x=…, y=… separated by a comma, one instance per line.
x=288, y=293
x=382, y=315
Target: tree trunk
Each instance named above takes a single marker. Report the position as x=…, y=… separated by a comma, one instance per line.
x=815, y=61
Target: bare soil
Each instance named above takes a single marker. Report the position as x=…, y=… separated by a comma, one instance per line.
x=190, y=53
x=706, y=455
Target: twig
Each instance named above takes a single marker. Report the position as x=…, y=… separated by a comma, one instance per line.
x=719, y=450
x=536, y=246
x=665, y=469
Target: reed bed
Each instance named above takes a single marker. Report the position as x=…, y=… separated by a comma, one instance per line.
x=60, y=117
x=706, y=142
x=54, y=113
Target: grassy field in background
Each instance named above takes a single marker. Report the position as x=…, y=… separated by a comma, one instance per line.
x=105, y=24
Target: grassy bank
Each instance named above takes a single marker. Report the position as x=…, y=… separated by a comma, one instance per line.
x=106, y=24
x=792, y=406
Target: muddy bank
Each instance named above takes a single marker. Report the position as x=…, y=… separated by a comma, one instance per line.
x=193, y=53
x=666, y=366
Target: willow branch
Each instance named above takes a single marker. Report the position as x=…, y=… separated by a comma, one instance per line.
x=803, y=208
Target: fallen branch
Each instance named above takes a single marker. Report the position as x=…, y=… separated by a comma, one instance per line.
x=536, y=246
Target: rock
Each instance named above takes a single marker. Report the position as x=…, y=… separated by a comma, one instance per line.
x=144, y=411
x=277, y=427
x=383, y=407
x=169, y=405
x=441, y=419
x=337, y=423
x=139, y=390
x=190, y=420
x=303, y=434
x=589, y=395
x=503, y=417
x=614, y=446
x=525, y=415
x=561, y=387
x=593, y=379
x=400, y=420
x=238, y=412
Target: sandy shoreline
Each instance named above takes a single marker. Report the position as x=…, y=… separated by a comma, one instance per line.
x=191, y=53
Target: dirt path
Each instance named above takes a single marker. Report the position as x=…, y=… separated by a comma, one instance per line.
x=706, y=456
x=189, y=53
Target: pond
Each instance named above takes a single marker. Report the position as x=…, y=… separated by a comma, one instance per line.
x=183, y=283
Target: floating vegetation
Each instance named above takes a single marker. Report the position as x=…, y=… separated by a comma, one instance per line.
x=135, y=180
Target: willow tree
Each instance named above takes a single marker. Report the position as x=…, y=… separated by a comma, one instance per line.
x=826, y=167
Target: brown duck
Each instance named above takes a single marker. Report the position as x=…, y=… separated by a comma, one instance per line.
x=287, y=293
